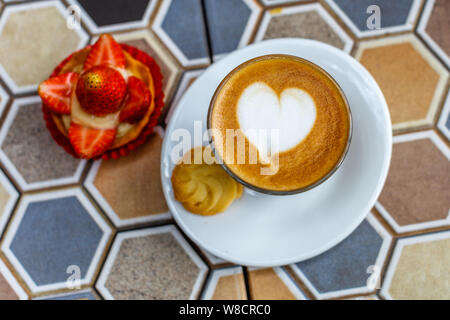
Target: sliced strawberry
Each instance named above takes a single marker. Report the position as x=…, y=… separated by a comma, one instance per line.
x=56, y=91
x=138, y=101
x=105, y=51
x=89, y=142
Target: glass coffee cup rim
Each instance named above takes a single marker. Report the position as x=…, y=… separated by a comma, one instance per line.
x=269, y=191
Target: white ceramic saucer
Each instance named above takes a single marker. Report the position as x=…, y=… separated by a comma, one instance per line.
x=263, y=230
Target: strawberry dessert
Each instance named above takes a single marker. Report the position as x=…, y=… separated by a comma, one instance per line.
x=102, y=101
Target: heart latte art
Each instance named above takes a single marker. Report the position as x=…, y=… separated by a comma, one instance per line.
x=292, y=98
x=291, y=115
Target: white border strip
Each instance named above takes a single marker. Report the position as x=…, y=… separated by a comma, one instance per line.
x=165, y=38
x=445, y=114
x=8, y=10
x=12, y=281
x=317, y=7
x=214, y=280
x=13, y=196
x=401, y=243
x=121, y=236
x=25, y=186
x=4, y=98
x=182, y=87
x=382, y=254
x=421, y=30
x=23, y=205
x=408, y=25
x=437, y=141
x=94, y=28
x=103, y=203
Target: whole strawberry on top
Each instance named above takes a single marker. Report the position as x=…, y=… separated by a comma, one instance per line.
x=103, y=100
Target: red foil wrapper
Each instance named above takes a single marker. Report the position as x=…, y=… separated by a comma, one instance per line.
x=143, y=57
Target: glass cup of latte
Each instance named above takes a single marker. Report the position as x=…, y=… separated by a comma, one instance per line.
x=279, y=124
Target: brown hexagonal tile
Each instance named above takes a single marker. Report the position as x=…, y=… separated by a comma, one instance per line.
x=273, y=284
x=151, y=264
x=147, y=42
x=34, y=38
x=434, y=25
x=129, y=188
x=29, y=153
x=309, y=21
x=414, y=93
x=416, y=194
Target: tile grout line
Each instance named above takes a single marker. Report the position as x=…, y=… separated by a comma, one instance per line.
x=208, y=35
x=246, y=282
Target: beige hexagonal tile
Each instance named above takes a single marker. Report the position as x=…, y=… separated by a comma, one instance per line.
x=419, y=268
x=34, y=38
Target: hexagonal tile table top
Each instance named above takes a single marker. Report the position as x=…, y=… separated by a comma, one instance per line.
x=154, y=263
x=414, y=93
x=419, y=268
x=395, y=16
x=69, y=241
x=415, y=195
x=186, y=81
x=9, y=287
x=350, y=266
x=86, y=294
x=129, y=189
x=433, y=27
x=226, y=284
x=3, y=99
x=8, y=198
x=310, y=21
x=231, y=24
x=107, y=224
x=444, y=121
x=112, y=15
x=33, y=40
x=30, y=154
x=273, y=284
x=180, y=25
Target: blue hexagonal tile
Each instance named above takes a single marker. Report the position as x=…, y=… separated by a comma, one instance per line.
x=54, y=238
x=86, y=294
x=394, y=16
x=112, y=15
x=230, y=23
x=351, y=267
x=180, y=25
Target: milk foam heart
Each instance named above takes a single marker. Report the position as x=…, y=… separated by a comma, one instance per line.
x=292, y=115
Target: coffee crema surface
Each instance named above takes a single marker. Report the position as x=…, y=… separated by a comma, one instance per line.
x=297, y=99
